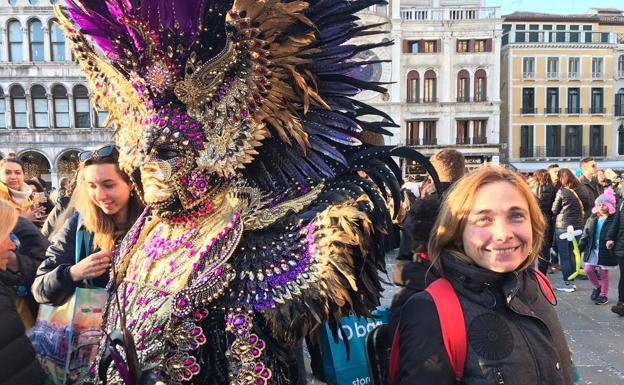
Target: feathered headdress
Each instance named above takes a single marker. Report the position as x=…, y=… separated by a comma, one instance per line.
x=256, y=87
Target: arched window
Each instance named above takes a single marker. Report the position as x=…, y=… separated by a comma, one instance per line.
x=413, y=87
x=101, y=117
x=40, y=107
x=621, y=66
x=463, y=86
x=36, y=40
x=430, y=87
x=15, y=42
x=480, y=87
x=81, y=107
x=33, y=2
x=61, y=107
x=2, y=109
x=18, y=107
x=57, y=40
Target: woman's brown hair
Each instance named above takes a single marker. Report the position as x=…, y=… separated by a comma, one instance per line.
x=458, y=202
x=565, y=178
x=542, y=177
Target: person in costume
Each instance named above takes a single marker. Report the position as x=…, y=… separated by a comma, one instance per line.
x=236, y=121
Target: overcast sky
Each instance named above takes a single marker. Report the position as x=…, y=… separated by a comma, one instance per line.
x=553, y=6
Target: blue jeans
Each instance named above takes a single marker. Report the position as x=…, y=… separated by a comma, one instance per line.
x=566, y=254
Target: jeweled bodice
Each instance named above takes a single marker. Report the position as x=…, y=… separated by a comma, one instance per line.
x=169, y=275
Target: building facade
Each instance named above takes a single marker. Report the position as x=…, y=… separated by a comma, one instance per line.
x=562, y=79
x=46, y=115
x=448, y=74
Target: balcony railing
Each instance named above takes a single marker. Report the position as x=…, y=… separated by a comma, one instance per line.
x=463, y=99
x=471, y=13
x=597, y=75
x=528, y=75
x=597, y=110
x=468, y=140
x=541, y=152
x=574, y=110
x=418, y=101
x=413, y=142
x=528, y=110
x=574, y=76
x=552, y=75
x=618, y=110
x=552, y=110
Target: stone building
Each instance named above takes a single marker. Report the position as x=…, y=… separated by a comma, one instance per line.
x=46, y=116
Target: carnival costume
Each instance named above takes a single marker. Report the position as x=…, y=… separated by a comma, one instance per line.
x=236, y=121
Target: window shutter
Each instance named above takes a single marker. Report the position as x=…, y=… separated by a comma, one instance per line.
x=421, y=45
x=488, y=45
x=406, y=46
x=471, y=45
x=438, y=47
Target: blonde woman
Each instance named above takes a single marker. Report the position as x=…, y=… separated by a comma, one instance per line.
x=485, y=240
x=21, y=366
x=105, y=207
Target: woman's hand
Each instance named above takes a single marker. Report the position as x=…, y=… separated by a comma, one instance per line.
x=35, y=215
x=91, y=267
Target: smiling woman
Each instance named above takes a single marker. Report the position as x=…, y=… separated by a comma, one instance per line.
x=486, y=239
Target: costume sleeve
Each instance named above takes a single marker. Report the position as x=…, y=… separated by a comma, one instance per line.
x=422, y=357
x=52, y=284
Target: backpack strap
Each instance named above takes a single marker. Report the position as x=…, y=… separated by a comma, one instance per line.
x=452, y=324
x=393, y=368
x=545, y=286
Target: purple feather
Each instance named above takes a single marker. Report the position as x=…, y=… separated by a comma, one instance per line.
x=326, y=149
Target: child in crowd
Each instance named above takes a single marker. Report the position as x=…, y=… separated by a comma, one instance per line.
x=593, y=242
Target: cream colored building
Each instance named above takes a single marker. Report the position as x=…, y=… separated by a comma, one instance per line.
x=562, y=89
x=449, y=77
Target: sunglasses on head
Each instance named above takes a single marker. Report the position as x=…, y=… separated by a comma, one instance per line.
x=102, y=152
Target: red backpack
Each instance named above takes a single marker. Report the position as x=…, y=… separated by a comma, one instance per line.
x=450, y=313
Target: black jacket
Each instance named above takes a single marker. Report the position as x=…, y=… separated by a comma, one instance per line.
x=19, y=365
x=30, y=254
x=545, y=195
x=567, y=210
x=588, y=192
x=513, y=333
x=586, y=243
x=53, y=284
x=616, y=231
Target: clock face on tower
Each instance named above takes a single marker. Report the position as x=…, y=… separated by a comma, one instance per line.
x=374, y=72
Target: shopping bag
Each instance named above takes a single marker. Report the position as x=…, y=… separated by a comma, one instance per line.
x=338, y=369
x=66, y=337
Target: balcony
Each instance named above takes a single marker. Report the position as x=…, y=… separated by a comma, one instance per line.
x=618, y=110
x=574, y=76
x=528, y=111
x=552, y=111
x=528, y=75
x=421, y=101
x=552, y=75
x=468, y=13
x=467, y=140
x=597, y=76
x=574, y=110
x=597, y=110
x=543, y=152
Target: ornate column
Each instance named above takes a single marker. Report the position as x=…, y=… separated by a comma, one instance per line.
x=396, y=75
x=4, y=55
x=25, y=44
x=30, y=114
x=51, y=118
x=72, y=112
x=47, y=55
